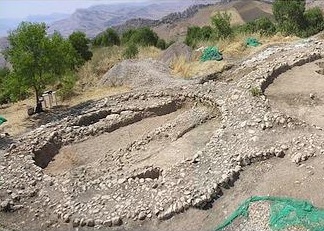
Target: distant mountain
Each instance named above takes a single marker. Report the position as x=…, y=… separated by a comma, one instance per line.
x=10, y=24
x=95, y=19
x=47, y=18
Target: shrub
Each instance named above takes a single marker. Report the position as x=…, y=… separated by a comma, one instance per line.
x=265, y=26
x=131, y=51
x=255, y=91
x=141, y=36
x=222, y=25
x=107, y=38
x=193, y=36
x=67, y=84
x=314, y=21
x=161, y=44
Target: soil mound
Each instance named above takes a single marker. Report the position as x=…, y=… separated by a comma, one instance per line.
x=174, y=51
x=138, y=73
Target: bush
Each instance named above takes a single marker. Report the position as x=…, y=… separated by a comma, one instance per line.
x=193, y=36
x=131, y=51
x=141, y=36
x=314, y=21
x=161, y=44
x=255, y=91
x=263, y=26
x=107, y=39
x=222, y=25
x=67, y=84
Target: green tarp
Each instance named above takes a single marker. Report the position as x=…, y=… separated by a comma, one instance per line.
x=284, y=213
x=2, y=120
x=211, y=53
x=252, y=42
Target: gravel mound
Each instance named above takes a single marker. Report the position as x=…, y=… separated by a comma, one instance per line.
x=174, y=51
x=138, y=73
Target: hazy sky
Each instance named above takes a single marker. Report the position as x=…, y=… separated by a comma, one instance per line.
x=23, y=8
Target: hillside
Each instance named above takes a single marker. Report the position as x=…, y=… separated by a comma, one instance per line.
x=95, y=19
x=242, y=11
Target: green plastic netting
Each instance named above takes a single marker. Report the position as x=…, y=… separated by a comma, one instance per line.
x=253, y=42
x=2, y=120
x=211, y=53
x=284, y=213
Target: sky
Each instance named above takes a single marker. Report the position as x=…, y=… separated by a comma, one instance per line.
x=20, y=9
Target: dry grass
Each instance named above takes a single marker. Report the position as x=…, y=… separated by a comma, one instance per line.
x=103, y=59
x=236, y=48
x=19, y=121
x=16, y=114
x=149, y=52
x=232, y=49
x=95, y=94
x=182, y=68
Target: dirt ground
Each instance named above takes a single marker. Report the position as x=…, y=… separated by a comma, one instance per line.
x=299, y=92
x=19, y=122
x=275, y=177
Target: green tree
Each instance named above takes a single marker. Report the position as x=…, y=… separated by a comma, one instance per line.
x=126, y=36
x=107, y=38
x=142, y=36
x=289, y=15
x=111, y=38
x=222, y=25
x=38, y=60
x=80, y=43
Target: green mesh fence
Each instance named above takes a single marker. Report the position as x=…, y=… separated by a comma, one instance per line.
x=284, y=213
x=211, y=53
x=252, y=42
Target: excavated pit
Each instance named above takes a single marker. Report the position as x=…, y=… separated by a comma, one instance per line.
x=160, y=135
x=299, y=92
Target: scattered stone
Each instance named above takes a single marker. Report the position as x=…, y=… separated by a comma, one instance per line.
x=116, y=221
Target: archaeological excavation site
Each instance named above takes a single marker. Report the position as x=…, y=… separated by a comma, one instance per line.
x=181, y=155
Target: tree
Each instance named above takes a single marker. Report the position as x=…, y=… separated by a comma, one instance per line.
x=289, y=15
x=38, y=60
x=222, y=25
x=80, y=43
x=107, y=38
x=126, y=36
x=142, y=36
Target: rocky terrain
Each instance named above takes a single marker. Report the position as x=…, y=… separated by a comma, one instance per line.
x=151, y=154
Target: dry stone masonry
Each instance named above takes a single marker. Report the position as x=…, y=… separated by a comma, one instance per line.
x=114, y=189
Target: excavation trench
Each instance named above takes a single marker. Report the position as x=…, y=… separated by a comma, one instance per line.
x=192, y=129
x=299, y=92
